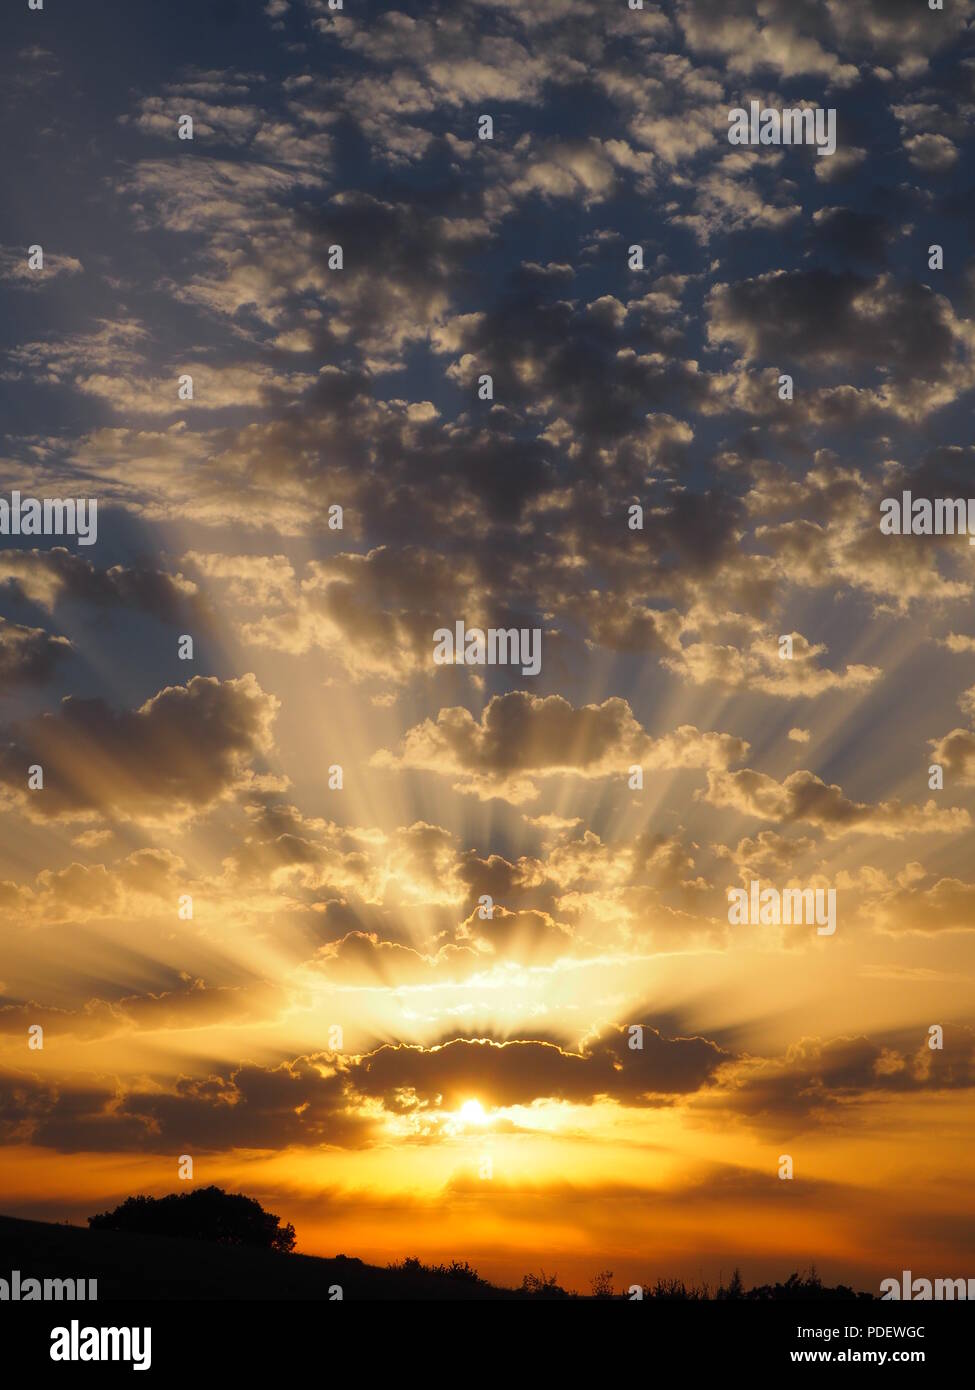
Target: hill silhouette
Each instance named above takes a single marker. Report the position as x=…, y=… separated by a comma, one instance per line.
x=130, y=1265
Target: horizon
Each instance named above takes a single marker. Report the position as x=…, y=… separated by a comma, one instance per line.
x=605, y=1279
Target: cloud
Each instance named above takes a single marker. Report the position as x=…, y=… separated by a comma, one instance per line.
x=364, y=959
x=222, y=117
x=15, y=271
x=112, y=347
x=763, y=668
x=958, y=642
x=818, y=39
x=214, y=388
x=935, y=154
x=520, y=1072
x=193, y=1005
x=303, y=1101
x=822, y=532
x=955, y=751
x=184, y=749
x=374, y=613
x=322, y=1100
x=520, y=737
x=526, y=936
x=816, y=1079
x=840, y=166
x=947, y=905
x=49, y=577
x=790, y=44
x=28, y=655
x=141, y=881
x=803, y=798
x=585, y=171
x=768, y=855
x=730, y=197
x=825, y=319
x=265, y=255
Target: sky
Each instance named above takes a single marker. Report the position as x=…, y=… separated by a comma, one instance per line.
x=437, y=959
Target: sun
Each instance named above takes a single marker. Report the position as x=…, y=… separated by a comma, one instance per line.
x=472, y=1112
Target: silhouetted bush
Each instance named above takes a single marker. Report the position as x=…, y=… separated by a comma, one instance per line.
x=457, y=1269
x=806, y=1287
x=677, y=1289
x=543, y=1286
x=206, y=1213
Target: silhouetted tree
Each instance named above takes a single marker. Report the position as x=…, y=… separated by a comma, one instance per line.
x=206, y=1213
x=735, y=1289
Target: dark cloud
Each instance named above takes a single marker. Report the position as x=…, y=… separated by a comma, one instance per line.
x=48, y=577
x=28, y=655
x=517, y=1073
x=819, y=1077
x=851, y=234
x=251, y=1107
x=837, y=320
x=318, y=1100
x=194, y=1005
x=185, y=748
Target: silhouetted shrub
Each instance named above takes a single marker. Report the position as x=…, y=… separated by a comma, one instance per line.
x=676, y=1289
x=543, y=1286
x=457, y=1269
x=206, y=1213
x=805, y=1287
x=808, y=1286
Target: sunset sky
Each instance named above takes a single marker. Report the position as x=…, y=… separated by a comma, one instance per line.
x=336, y=1030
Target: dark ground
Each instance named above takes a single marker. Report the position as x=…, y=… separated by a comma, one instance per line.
x=157, y=1267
